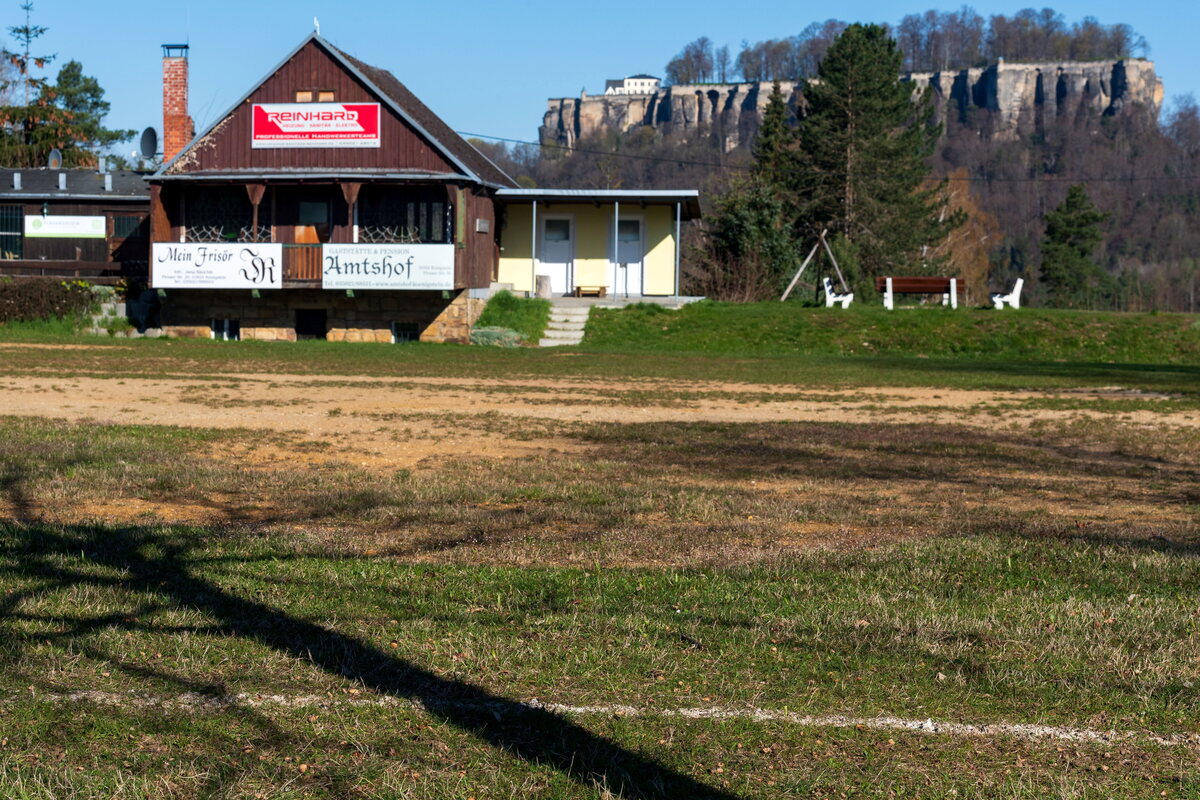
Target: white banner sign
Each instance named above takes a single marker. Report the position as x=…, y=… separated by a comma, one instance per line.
x=64, y=227
x=387, y=266
x=206, y=265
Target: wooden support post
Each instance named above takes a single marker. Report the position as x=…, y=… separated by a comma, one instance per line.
x=255, y=191
x=350, y=195
x=799, y=272
x=836, y=268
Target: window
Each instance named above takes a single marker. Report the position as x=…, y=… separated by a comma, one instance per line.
x=313, y=212
x=558, y=230
x=12, y=232
x=413, y=217
x=127, y=227
x=405, y=332
x=227, y=330
x=223, y=214
x=629, y=230
x=320, y=96
x=312, y=219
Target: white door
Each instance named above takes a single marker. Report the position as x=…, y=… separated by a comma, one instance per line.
x=558, y=253
x=630, y=257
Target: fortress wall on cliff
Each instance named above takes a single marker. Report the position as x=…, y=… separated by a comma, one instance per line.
x=1023, y=97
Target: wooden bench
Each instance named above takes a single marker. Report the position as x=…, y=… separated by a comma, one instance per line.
x=591, y=291
x=892, y=286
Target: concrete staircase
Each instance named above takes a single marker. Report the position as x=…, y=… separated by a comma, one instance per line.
x=565, y=326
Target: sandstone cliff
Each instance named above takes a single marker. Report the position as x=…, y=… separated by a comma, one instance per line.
x=1022, y=97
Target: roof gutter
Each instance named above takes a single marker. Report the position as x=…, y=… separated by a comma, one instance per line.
x=124, y=198
x=293, y=177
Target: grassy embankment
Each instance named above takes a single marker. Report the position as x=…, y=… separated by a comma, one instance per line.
x=527, y=316
x=773, y=329
x=781, y=345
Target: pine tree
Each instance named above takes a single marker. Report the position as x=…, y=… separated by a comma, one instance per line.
x=862, y=156
x=774, y=147
x=1072, y=279
x=82, y=98
x=749, y=251
x=23, y=60
x=66, y=115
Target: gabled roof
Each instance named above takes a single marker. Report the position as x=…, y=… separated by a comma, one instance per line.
x=410, y=107
x=458, y=151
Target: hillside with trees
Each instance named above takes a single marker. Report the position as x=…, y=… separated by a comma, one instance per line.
x=1141, y=171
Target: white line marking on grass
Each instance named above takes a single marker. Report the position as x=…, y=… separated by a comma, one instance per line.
x=193, y=701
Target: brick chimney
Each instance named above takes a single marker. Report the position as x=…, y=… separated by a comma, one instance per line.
x=177, y=125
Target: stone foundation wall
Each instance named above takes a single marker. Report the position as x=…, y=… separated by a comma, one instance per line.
x=366, y=317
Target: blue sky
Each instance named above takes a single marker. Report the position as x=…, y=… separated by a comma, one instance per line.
x=484, y=67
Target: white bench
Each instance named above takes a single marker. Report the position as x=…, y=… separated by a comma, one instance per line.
x=1013, y=298
x=834, y=296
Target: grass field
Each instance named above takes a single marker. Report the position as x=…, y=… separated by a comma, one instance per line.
x=315, y=571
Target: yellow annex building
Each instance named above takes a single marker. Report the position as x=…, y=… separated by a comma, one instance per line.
x=593, y=241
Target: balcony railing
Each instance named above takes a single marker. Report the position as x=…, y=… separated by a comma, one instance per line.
x=302, y=262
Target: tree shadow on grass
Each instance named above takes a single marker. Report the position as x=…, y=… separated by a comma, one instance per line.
x=155, y=563
x=1184, y=378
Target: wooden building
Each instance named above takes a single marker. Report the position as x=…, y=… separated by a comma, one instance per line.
x=77, y=223
x=329, y=202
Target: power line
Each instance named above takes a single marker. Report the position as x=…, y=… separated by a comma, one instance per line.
x=659, y=159
x=718, y=165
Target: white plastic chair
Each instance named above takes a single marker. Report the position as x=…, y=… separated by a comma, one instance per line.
x=1013, y=298
x=833, y=296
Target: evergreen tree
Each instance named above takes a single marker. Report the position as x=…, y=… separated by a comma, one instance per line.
x=1072, y=279
x=26, y=83
x=775, y=145
x=21, y=124
x=82, y=98
x=862, y=156
x=66, y=115
x=749, y=251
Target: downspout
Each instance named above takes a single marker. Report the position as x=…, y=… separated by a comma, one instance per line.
x=616, y=224
x=678, y=216
x=533, y=253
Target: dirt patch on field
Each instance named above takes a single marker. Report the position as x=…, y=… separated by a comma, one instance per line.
x=510, y=470
x=406, y=423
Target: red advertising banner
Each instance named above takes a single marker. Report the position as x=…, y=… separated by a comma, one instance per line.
x=279, y=125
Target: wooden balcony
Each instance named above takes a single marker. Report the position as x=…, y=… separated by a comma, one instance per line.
x=302, y=265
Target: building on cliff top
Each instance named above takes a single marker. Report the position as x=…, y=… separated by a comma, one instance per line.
x=634, y=84
x=330, y=202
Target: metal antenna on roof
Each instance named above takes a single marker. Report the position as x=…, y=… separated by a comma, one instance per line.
x=317, y=26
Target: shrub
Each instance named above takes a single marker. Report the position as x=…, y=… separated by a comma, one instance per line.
x=526, y=316
x=33, y=299
x=495, y=336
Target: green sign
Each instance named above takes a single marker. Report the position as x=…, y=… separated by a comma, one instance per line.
x=48, y=227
